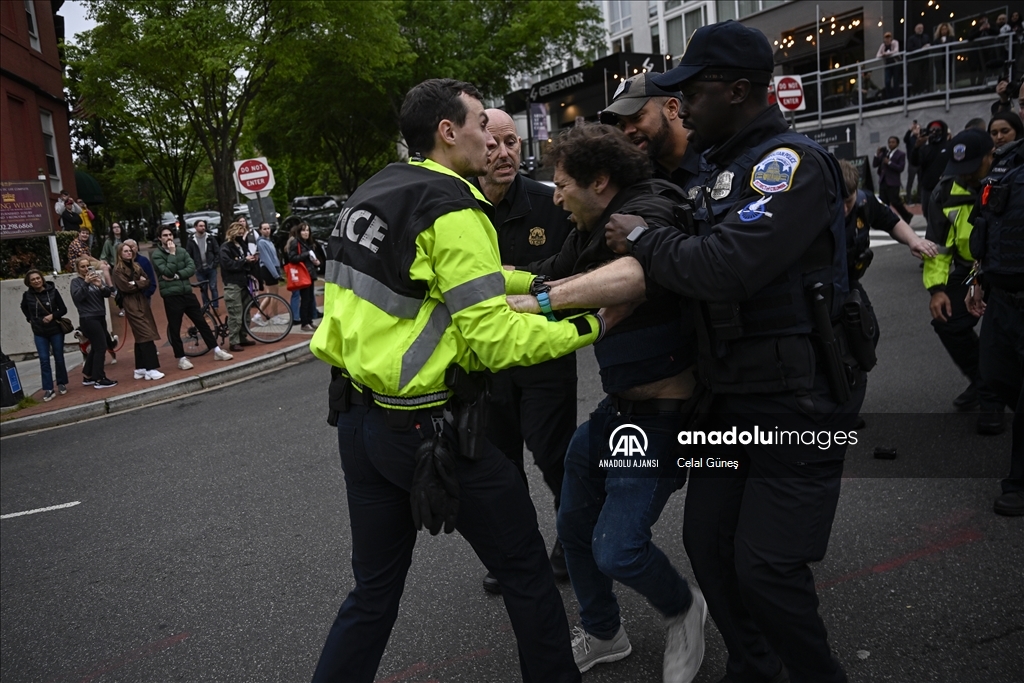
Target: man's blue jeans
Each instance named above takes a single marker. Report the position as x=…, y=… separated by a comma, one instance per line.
x=605, y=520
x=207, y=279
x=44, y=346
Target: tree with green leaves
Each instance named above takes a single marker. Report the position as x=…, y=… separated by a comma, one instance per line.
x=339, y=115
x=210, y=61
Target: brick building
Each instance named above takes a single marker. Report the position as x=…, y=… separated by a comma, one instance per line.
x=34, y=132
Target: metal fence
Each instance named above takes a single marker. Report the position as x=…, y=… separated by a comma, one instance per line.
x=939, y=71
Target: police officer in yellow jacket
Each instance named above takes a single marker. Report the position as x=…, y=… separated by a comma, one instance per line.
x=415, y=295
x=950, y=224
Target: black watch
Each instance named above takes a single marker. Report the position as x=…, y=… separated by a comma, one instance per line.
x=634, y=236
x=539, y=285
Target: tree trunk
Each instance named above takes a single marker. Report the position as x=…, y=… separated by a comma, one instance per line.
x=224, y=183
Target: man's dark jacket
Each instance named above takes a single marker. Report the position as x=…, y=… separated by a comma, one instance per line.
x=531, y=227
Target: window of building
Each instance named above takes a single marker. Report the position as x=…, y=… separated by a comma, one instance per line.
x=652, y=9
x=655, y=39
x=672, y=4
x=738, y=9
x=50, y=150
x=694, y=20
x=674, y=34
x=623, y=44
x=619, y=17
x=33, y=26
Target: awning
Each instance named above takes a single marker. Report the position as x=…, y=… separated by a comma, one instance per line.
x=88, y=188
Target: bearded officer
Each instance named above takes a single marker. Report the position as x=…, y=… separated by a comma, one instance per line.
x=535, y=404
x=768, y=266
x=415, y=300
x=649, y=116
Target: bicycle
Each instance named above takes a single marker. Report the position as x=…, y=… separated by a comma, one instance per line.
x=267, y=318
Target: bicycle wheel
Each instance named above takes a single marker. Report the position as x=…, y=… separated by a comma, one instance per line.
x=268, y=318
x=191, y=340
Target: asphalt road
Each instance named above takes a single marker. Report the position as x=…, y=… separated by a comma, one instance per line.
x=211, y=541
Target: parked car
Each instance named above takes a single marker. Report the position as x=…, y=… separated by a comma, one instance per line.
x=208, y=216
x=240, y=210
x=321, y=223
x=313, y=203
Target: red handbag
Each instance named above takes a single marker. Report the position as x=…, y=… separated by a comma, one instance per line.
x=296, y=275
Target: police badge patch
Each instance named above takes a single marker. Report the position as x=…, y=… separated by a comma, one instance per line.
x=775, y=172
x=723, y=185
x=537, y=236
x=959, y=152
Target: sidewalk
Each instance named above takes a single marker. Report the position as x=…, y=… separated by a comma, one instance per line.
x=84, y=402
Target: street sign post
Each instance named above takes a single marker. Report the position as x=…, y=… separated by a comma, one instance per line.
x=789, y=91
x=254, y=177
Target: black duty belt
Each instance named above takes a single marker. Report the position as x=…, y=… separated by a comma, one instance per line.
x=1014, y=298
x=651, y=406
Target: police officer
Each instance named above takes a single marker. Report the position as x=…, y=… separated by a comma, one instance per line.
x=768, y=265
x=649, y=116
x=536, y=403
x=866, y=212
x=998, y=244
x=949, y=224
x=415, y=300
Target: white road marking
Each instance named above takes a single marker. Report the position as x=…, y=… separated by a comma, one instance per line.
x=32, y=512
x=880, y=238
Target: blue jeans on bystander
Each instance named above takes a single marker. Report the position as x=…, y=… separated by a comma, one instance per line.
x=44, y=346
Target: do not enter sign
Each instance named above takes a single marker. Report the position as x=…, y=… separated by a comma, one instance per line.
x=789, y=91
x=253, y=176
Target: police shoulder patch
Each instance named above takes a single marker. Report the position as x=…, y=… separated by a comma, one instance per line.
x=774, y=173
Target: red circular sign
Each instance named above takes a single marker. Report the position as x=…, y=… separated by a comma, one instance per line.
x=253, y=175
x=789, y=93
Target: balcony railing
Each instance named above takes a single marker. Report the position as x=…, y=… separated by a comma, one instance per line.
x=936, y=72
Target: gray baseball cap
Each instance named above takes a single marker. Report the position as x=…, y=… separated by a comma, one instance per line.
x=633, y=93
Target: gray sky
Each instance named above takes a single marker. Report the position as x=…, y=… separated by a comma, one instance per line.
x=75, y=20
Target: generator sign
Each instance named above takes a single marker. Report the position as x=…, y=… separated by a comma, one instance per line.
x=25, y=210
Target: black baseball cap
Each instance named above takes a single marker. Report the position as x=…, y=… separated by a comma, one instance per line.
x=724, y=51
x=966, y=151
x=633, y=93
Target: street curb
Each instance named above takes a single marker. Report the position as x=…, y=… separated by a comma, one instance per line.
x=135, y=399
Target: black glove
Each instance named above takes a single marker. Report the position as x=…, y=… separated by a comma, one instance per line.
x=435, y=490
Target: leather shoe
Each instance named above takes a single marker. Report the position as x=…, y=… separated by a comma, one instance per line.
x=491, y=584
x=991, y=422
x=968, y=400
x=558, y=567
x=248, y=342
x=1010, y=504
x=236, y=348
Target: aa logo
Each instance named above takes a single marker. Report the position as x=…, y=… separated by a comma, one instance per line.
x=628, y=440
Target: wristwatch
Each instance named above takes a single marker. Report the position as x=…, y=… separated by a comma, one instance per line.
x=634, y=235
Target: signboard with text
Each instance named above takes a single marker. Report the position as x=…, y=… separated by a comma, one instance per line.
x=253, y=177
x=789, y=91
x=25, y=209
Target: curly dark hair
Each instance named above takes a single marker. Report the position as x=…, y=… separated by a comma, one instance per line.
x=593, y=149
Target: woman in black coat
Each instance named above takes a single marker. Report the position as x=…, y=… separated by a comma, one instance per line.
x=299, y=250
x=42, y=305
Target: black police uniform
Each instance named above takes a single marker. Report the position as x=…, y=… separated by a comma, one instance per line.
x=536, y=403
x=771, y=225
x=869, y=213
x=998, y=243
x=684, y=175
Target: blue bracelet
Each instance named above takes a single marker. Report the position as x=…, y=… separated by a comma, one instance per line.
x=545, y=306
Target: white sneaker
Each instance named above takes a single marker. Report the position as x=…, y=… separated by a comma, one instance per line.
x=684, y=642
x=184, y=364
x=140, y=374
x=589, y=651
x=258, y=319
x=221, y=354
x=154, y=374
